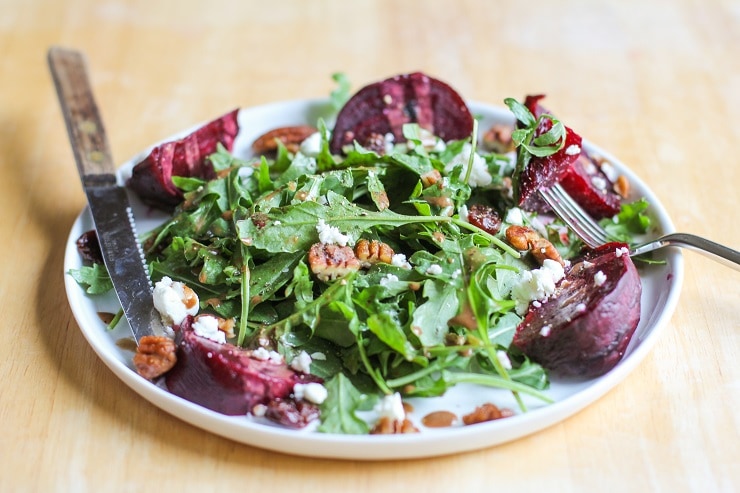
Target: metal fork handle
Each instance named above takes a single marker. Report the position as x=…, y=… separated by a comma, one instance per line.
x=715, y=251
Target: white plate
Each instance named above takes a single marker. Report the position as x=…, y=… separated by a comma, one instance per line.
x=661, y=286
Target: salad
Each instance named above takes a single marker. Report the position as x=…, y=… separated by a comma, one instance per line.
x=399, y=253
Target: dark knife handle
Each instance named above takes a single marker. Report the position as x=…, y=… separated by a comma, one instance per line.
x=81, y=114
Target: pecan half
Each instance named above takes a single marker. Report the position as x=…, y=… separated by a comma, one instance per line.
x=498, y=138
x=525, y=238
x=373, y=251
x=291, y=137
x=329, y=261
x=155, y=356
x=486, y=412
x=386, y=426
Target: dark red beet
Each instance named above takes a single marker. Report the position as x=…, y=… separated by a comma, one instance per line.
x=385, y=106
x=591, y=188
x=578, y=174
x=485, y=217
x=226, y=378
x=89, y=247
x=151, y=179
x=584, y=328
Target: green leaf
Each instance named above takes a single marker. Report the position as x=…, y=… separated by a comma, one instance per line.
x=338, y=411
x=521, y=112
x=341, y=94
x=630, y=221
x=388, y=331
x=431, y=317
x=93, y=278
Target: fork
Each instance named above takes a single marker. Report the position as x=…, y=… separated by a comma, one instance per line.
x=594, y=235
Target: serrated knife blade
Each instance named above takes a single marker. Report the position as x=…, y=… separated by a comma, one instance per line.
x=109, y=205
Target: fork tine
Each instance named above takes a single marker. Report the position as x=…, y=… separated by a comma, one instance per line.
x=574, y=216
x=587, y=222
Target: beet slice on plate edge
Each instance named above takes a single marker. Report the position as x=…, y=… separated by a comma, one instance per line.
x=385, y=106
x=584, y=328
x=151, y=179
x=228, y=379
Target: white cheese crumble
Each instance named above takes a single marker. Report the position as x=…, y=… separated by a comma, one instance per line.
x=586, y=264
x=388, y=142
x=610, y=171
x=331, y=234
x=599, y=278
x=573, y=150
x=434, y=270
x=170, y=298
x=391, y=407
x=479, y=175
x=259, y=410
x=622, y=251
x=462, y=212
x=302, y=362
x=503, y=358
x=265, y=355
x=207, y=326
x=581, y=307
x=311, y=145
x=599, y=182
x=312, y=392
x=515, y=216
x=536, y=284
x=245, y=172
x=387, y=279
x=399, y=260
x=545, y=330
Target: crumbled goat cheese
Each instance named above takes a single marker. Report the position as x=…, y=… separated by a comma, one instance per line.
x=581, y=307
x=503, y=358
x=434, y=270
x=599, y=182
x=387, y=279
x=169, y=300
x=391, y=407
x=245, y=172
x=545, y=330
x=207, y=326
x=610, y=171
x=514, y=216
x=259, y=410
x=312, y=392
x=622, y=251
x=599, y=278
x=330, y=234
x=479, y=175
x=311, y=145
x=536, y=284
x=463, y=213
x=573, y=150
x=302, y=362
x=587, y=264
x=399, y=260
x=265, y=355
x=388, y=142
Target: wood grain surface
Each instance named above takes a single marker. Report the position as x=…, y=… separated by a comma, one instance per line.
x=657, y=83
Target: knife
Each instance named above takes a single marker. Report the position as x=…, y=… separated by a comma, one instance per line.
x=111, y=212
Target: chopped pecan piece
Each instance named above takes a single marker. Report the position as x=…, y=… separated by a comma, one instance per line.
x=291, y=137
x=486, y=412
x=622, y=186
x=329, y=261
x=373, y=251
x=498, y=138
x=430, y=178
x=525, y=238
x=155, y=356
x=386, y=426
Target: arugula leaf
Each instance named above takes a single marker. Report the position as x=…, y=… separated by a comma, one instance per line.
x=630, y=221
x=338, y=411
x=341, y=94
x=94, y=278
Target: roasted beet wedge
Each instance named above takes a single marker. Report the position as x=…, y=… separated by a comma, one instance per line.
x=546, y=171
x=151, y=179
x=585, y=327
x=385, y=106
x=579, y=174
x=226, y=378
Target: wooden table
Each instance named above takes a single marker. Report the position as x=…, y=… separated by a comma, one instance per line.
x=657, y=83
